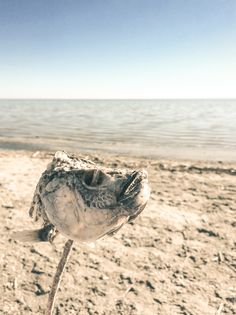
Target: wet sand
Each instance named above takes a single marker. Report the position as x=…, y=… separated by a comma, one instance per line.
x=178, y=257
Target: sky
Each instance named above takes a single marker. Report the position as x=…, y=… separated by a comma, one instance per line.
x=118, y=49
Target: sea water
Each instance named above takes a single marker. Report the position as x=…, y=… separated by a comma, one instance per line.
x=200, y=129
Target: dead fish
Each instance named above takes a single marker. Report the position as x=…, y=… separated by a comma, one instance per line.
x=85, y=201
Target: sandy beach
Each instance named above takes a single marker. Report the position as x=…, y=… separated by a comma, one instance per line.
x=178, y=257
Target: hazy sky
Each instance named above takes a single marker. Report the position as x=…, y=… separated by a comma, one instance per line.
x=117, y=48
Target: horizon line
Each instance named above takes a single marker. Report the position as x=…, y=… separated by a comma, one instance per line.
x=111, y=99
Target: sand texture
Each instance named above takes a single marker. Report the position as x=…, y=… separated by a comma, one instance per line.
x=178, y=257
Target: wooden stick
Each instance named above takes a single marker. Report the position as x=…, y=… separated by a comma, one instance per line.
x=218, y=312
x=57, y=277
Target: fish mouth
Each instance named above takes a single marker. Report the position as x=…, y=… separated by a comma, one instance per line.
x=137, y=213
x=129, y=186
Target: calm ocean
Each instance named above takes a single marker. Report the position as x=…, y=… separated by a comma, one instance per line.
x=200, y=129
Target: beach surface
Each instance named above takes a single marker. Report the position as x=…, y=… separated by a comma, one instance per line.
x=178, y=257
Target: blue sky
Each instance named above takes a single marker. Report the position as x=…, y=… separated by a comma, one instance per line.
x=118, y=49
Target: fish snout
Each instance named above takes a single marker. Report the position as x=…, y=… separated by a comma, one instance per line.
x=135, y=192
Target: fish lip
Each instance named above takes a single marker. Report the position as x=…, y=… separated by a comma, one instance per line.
x=137, y=213
x=127, y=184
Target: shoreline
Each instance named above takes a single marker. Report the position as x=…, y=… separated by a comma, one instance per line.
x=123, y=149
x=164, y=163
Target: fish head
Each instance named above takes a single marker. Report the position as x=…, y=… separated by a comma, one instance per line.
x=88, y=201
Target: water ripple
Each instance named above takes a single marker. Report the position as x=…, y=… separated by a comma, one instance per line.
x=147, y=123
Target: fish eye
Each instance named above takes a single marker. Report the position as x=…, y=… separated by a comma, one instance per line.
x=88, y=177
x=93, y=178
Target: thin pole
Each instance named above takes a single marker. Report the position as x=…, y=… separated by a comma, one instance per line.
x=57, y=277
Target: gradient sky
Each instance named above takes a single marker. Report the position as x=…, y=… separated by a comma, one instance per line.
x=117, y=49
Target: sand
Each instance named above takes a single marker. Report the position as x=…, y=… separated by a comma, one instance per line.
x=178, y=257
